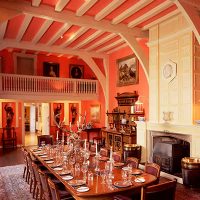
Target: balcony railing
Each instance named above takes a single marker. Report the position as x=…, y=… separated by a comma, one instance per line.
x=65, y=88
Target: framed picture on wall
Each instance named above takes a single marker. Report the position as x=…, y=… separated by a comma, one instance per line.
x=51, y=69
x=95, y=113
x=76, y=71
x=57, y=113
x=127, y=71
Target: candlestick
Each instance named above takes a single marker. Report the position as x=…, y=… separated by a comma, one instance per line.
x=85, y=144
x=70, y=124
x=96, y=149
x=57, y=136
x=110, y=153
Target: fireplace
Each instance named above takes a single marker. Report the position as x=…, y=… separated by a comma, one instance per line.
x=167, y=150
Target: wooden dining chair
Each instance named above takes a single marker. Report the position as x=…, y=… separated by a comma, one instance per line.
x=162, y=191
x=57, y=193
x=45, y=186
x=26, y=169
x=39, y=191
x=48, y=139
x=153, y=169
x=133, y=161
x=31, y=175
x=117, y=157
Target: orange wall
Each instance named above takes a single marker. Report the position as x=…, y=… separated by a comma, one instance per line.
x=142, y=87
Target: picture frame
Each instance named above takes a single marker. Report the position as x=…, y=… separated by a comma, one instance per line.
x=55, y=109
x=95, y=113
x=73, y=112
x=76, y=71
x=51, y=69
x=128, y=73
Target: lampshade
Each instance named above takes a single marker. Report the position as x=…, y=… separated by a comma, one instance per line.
x=138, y=102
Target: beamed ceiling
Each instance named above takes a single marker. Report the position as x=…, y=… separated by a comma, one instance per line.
x=73, y=27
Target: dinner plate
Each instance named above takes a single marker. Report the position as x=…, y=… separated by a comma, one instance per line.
x=122, y=184
x=44, y=156
x=76, y=182
x=67, y=177
x=103, y=158
x=49, y=161
x=140, y=180
x=136, y=172
x=125, y=168
x=63, y=173
x=36, y=150
x=83, y=189
x=118, y=164
x=58, y=168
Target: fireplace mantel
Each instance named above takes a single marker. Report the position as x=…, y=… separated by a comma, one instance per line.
x=144, y=130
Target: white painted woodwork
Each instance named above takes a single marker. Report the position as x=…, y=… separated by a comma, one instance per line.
x=36, y=3
x=88, y=39
x=42, y=30
x=110, y=45
x=103, y=40
x=134, y=45
x=141, y=139
x=24, y=26
x=41, y=47
x=171, y=40
x=59, y=33
x=100, y=76
x=161, y=19
x=61, y=4
x=32, y=118
x=191, y=13
x=85, y=7
x=117, y=48
x=133, y=9
x=108, y=9
x=7, y=14
x=24, y=86
x=3, y=27
x=69, y=17
x=150, y=13
x=78, y=33
x=45, y=119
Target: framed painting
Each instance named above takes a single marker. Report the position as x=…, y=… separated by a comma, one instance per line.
x=51, y=69
x=8, y=114
x=57, y=108
x=73, y=112
x=127, y=71
x=95, y=113
x=76, y=71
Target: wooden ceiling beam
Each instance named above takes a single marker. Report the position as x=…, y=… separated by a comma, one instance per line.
x=108, y=9
x=85, y=7
x=43, y=48
x=150, y=13
x=48, y=12
x=61, y=5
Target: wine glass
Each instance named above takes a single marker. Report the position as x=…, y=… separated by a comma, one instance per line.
x=43, y=144
x=124, y=175
x=84, y=169
x=103, y=176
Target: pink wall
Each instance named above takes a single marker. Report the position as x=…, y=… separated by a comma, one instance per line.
x=142, y=87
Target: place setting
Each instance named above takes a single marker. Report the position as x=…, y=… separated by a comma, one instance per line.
x=118, y=164
x=139, y=180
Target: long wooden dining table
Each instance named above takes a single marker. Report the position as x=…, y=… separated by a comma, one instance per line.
x=97, y=190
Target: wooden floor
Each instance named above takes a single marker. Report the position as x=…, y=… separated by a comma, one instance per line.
x=15, y=157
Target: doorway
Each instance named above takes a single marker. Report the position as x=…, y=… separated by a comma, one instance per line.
x=36, y=121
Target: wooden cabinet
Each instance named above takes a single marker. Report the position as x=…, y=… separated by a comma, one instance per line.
x=117, y=139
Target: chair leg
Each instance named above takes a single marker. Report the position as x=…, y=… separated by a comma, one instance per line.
x=31, y=185
x=34, y=188
x=24, y=172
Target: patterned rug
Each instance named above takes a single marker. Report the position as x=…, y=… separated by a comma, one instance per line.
x=12, y=184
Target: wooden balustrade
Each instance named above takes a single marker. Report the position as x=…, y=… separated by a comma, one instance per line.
x=32, y=85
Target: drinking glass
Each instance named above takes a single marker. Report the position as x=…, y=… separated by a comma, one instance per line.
x=43, y=144
x=124, y=175
x=103, y=176
x=84, y=169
